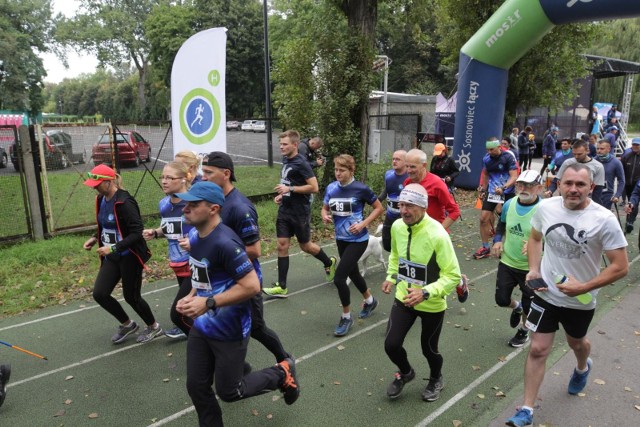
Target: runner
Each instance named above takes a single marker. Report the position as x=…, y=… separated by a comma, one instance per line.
x=498, y=176
x=394, y=180
x=424, y=267
x=344, y=203
x=294, y=213
x=577, y=233
x=241, y=216
x=123, y=254
x=509, y=244
x=223, y=280
x=5, y=374
x=175, y=178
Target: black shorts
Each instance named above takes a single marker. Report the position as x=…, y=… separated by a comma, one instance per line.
x=490, y=206
x=289, y=225
x=574, y=322
x=507, y=279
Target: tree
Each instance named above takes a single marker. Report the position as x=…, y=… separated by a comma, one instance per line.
x=112, y=30
x=545, y=76
x=25, y=28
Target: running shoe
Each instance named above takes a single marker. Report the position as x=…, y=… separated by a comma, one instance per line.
x=516, y=315
x=367, y=309
x=276, y=291
x=175, y=333
x=522, y=418
x=5, y=374
x=331, y=270
x=519, y=339
x=463, y=289
x=482, y=253
x=343, y=327
x=433, y=389
x=149, y=333
x=579, y=381
x=124, y=332
x=289, y=387
x=399, y=380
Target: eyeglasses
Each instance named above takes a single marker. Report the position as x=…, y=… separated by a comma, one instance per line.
x=171, y=178
x=96, y=176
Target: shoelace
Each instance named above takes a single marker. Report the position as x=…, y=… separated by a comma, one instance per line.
x=288, y=378
x=398, y=376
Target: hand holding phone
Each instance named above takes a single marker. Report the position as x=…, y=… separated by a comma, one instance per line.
x=537, y=284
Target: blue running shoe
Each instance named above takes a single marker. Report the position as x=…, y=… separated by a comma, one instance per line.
x=523, y=417
x=343, y=327
x=579, y=381
x=367, y=309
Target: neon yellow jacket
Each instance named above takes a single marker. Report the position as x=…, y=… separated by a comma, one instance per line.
x=430, y=246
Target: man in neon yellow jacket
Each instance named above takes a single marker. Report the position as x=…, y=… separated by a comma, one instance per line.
x=424, y=268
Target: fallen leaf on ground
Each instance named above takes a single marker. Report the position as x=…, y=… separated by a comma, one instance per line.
x=60, y=413
x=500, y=394
x=480, y=396
x=637, y=407
x=275, y=397
x=169, y=354
x=475, y=367
x=457, y=423
x=269, y=416
x=502, y=359
x=337, y=383
x=341, y=347
x=582, y=394
x=165, y=380
x=602, y=332
x=627, y=389
x=93, y=415
x=68, y=402
x=599, y=381
x=254, y=412
x=68, y=377
x=303, y=312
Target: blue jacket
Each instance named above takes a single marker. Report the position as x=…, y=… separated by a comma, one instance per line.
x=612, y=170
x=549, y=145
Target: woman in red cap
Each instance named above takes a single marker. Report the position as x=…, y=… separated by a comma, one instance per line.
x=123, y=253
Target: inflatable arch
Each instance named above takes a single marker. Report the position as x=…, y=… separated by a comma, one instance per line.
x=486, y=58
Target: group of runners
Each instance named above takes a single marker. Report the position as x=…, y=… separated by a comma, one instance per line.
x=214, y=248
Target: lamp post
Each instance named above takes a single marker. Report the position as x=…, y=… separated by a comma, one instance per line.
x=267, y=86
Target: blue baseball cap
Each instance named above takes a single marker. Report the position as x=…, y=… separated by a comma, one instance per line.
x=635, y=141
x=203, y=190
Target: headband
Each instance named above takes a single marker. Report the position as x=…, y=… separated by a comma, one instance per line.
x=413, y=197
x=492, y=144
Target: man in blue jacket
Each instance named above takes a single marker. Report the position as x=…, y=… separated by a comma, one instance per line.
x=549, y=148
x=613, y=170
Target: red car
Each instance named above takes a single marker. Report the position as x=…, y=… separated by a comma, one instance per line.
x=132, y=149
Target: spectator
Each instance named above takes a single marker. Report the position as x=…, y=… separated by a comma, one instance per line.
x=444, y=166
x=309, y=150
x=523, y=147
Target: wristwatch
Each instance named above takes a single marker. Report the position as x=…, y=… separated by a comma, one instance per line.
x=211, y=303
x=425, y=295
x=291, y=188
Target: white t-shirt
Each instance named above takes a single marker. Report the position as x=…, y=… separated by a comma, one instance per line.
x=593, y=164
x=574, y=241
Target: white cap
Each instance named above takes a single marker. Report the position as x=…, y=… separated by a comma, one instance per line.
x=530, y=177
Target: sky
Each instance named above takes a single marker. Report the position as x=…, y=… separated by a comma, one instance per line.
x=78, y=64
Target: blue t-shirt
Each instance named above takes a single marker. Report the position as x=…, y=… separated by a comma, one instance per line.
x=295, y=171
x=174, y=227
x=346, y=204
x=217, y=262
x=241, y=216
x=110, y=234
x=393, y=185
x=498, y=170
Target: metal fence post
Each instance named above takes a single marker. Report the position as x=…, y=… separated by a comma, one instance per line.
x=32, y=180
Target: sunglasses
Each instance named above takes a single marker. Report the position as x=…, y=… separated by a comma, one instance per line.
x=96, y=176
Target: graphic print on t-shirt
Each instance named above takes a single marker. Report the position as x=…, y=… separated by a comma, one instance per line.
x=568, y=242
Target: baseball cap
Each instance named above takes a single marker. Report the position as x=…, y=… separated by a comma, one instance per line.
x=220, y=160
x=635, y=141
x=99, y=174
x=530, y=177
x=203, y=190
x=439, y=149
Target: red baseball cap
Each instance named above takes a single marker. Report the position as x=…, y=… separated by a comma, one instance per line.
x=99, y=174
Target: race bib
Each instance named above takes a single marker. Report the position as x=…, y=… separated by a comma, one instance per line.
x=534, y=317
x=393, y=206
x=172, y=227
x=340, y=207
x=412, y=272
x=495, y=198
x=199, y=275
x=108, y=237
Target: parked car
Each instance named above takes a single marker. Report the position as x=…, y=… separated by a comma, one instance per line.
x=58, y=151
x=132, y=149
x=247, y=125
x=259, y=126
x=234, y=125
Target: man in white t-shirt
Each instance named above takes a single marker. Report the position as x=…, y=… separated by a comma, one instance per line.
x=576, y=233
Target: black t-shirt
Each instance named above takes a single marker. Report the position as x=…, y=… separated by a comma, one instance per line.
x=295, y=172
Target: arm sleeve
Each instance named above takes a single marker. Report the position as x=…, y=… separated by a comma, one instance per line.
x=383, y=195
x=392, y=269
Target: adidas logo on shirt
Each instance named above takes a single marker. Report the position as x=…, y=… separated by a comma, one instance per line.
x=517, y=230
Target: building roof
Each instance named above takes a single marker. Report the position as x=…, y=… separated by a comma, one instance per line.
x=603, y=67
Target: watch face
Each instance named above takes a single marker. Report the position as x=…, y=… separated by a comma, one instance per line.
x=210, y=302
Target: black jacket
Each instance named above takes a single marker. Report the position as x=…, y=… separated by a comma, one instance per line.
x=631, y=165
x=443, y=167
x=130, y=226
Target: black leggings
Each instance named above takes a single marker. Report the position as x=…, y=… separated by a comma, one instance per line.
x=180, y=320
x=262, y=334
x=350, y=253
x=401, y=320
x=115, y=267
x=524, y=160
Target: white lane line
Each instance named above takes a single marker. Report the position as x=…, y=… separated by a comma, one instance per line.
x=465, y=391
x=73, y=365
x=301, y=359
